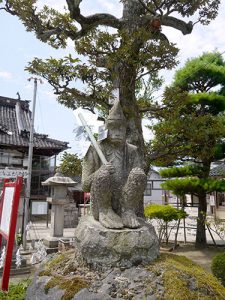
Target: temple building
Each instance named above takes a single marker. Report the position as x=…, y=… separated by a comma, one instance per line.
x=15, y=119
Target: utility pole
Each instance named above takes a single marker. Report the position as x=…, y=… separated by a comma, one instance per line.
x=29, y=168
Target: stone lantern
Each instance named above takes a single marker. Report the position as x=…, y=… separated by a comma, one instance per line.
x=59, y=187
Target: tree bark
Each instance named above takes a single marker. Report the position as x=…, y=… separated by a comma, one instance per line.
x=201, y=232
x=127, y=73
x=202, y=209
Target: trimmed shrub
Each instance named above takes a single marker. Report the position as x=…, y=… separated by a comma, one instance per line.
x=218, y=267
x=166, y=213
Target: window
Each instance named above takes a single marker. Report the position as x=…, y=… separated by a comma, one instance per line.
x=148, y=190
x=11, y=158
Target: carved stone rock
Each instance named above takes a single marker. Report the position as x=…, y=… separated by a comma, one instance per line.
x=102, y=247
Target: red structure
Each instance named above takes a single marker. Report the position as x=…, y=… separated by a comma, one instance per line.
x=8, y=216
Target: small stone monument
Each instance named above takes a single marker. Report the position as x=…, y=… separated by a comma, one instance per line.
x=59, y=188
x=115, y=236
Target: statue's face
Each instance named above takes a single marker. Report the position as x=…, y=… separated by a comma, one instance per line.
x=116, y=132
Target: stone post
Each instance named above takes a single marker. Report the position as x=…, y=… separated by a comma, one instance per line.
x=59, y=189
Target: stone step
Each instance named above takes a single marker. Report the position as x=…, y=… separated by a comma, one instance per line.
x=18, y=271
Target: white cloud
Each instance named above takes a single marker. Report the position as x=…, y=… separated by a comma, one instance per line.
x=58, y=5
x=6, y=75
x=29, y=86
x=87, y=6
x=49, y=95
x=112, y=7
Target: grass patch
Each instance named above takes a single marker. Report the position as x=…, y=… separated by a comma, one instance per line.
x=16, y=291
x=185, y=280
x=71, y=286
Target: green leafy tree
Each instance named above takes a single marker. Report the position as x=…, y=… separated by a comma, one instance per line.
x=70, y=165
x=133, y=49
x=192, y=131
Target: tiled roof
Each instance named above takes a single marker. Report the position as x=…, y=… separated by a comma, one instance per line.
x=14, y=127
x=218, y=171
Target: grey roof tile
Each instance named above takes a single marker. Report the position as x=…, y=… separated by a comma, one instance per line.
x=12, y=135
x=218, y=171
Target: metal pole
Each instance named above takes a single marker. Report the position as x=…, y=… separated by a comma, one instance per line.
x=29, y=169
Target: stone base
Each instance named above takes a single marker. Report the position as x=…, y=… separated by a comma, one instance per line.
x=51, y=242
x=23, y=269
x=103, y=247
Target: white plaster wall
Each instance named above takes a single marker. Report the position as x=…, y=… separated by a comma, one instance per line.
x=157, y=193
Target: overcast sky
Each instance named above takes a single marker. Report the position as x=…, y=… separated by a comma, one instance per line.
x=18, y=47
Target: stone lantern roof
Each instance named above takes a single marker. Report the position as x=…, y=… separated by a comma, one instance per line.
x=59, y=179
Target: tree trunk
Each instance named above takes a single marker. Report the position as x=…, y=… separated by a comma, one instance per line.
x=200, y=241
x=127, y=72
x=134, y=129
x=201, y=232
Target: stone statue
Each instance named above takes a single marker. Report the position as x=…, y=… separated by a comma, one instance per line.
x=118, y=186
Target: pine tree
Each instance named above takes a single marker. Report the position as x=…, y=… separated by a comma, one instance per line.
x=192, y=131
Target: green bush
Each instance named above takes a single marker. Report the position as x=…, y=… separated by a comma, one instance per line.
x=218, y=267
x=166, y=213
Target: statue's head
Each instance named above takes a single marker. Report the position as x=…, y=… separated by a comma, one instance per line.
x=116, y=124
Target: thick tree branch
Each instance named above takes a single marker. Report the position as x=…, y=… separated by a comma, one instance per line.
x=92, y=20
x=45, y=31
x=185, y=28
x=146, y=109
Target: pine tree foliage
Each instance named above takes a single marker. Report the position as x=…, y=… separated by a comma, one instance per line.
x=194, y=186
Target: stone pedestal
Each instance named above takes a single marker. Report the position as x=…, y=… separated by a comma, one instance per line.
x=102, y=247
x=51, y=242
x=57, y=216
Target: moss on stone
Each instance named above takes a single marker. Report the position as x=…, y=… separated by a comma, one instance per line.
x=185, y=280
x=45, y=273
x=71, y=286
x=57, y=262
x=57, y=259
x=69, y=268
x=58, y=265
x=54, y=281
